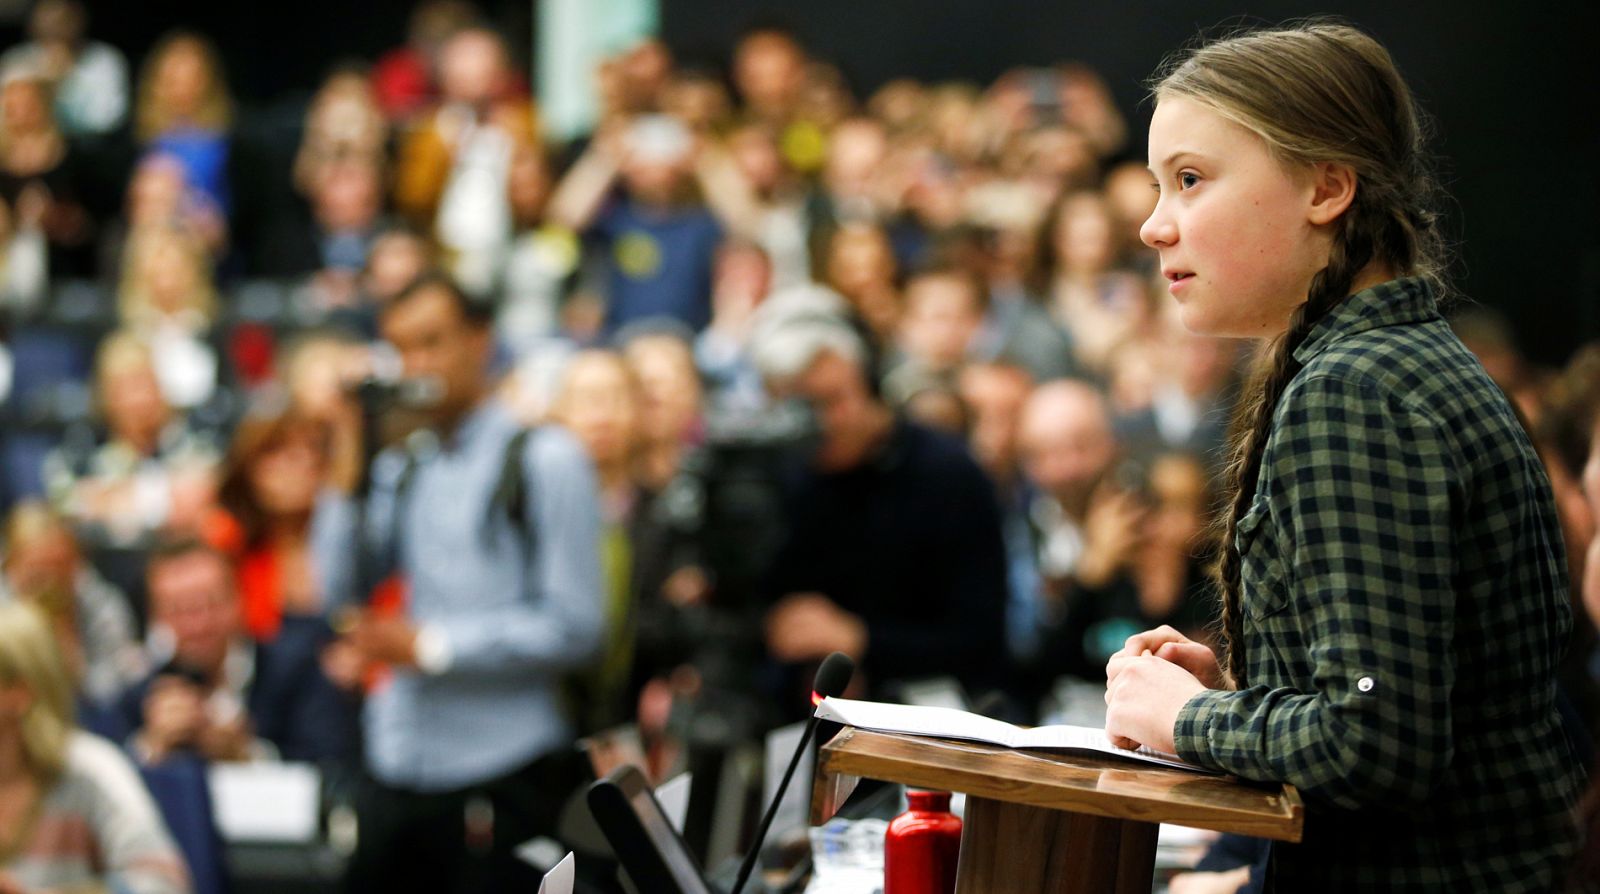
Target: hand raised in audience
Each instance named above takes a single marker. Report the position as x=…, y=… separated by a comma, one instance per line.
x=174, y=714
x=1111, y=530
x=804, y=626
x=227, y=740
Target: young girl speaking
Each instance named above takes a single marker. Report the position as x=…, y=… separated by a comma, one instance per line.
x=1394, y=588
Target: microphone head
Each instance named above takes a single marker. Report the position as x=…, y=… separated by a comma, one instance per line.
x=833, y=676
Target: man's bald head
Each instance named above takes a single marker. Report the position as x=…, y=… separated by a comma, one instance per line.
x=1066, y=439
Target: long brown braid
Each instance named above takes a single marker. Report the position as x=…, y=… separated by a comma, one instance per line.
x=1319, y=91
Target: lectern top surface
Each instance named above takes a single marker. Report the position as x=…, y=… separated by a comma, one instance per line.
x=1076, y=782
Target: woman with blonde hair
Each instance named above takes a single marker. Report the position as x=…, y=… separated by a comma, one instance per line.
x=74, y=815
x=183, y=110
x=168, y=297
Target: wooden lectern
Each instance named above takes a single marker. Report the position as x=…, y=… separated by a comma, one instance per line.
x=1066, y=822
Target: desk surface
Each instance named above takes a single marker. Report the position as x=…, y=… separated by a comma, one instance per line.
x=1076, y=782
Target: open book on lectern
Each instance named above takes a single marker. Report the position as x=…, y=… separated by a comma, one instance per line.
x=949, y=723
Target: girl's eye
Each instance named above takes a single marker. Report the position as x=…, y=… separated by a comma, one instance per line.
x=1188, y=179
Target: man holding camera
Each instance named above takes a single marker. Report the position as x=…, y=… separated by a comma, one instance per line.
x=894, y=553
x=493, y=532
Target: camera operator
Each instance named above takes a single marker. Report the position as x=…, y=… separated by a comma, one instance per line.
x=894, y=554
x=495, y=535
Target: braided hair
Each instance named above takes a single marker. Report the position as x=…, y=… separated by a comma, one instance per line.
x=1319, y=91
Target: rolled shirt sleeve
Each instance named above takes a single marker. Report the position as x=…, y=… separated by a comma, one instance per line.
x=1363, y=522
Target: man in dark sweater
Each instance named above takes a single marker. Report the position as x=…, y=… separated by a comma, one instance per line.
x=894, y=553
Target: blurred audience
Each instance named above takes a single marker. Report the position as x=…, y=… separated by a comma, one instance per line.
x=216, y=694
x=184, y=111
x=87, y=78
x=150, y=472
x=95, y=626
x=277, y=462
x=894, y=553
x=53, y=777
x=454, y=167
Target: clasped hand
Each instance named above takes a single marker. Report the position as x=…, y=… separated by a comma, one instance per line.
x=1148, y=682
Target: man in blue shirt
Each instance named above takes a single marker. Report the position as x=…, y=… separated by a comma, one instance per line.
x=503, y=597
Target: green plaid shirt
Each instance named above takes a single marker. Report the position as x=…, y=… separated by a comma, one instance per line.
x=1405, y=603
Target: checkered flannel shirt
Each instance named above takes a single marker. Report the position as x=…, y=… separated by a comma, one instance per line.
x=1405, y=605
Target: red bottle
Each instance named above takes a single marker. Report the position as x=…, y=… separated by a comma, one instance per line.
x=921, y=847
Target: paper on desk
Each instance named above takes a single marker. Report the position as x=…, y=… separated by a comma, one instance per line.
x=265, y=801
x=561, y=878
x=950, y=723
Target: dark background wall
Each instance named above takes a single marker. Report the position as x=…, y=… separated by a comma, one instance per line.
x=1511, y=87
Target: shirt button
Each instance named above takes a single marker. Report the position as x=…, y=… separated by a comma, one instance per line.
x=1364, y=684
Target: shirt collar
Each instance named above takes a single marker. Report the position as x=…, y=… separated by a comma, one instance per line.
x=487, y=414
x=1407, y=300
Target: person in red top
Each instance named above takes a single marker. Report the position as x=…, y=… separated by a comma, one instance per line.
x=277, y=461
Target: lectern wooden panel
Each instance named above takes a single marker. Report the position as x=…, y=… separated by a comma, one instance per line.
x=1066, y=822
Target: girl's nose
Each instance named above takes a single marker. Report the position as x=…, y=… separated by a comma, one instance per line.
x=1158, y=230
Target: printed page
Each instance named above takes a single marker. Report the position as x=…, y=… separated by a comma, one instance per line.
x=918, y=721
x=1083, y=738
x=953, y=724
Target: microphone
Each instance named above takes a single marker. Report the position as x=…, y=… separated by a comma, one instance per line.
x=832, y=678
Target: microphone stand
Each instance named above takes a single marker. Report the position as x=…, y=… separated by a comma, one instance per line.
x=749, y=863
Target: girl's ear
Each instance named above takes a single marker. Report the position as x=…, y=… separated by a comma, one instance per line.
x=1333, y=189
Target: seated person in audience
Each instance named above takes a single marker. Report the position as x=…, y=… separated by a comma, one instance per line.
x=632, y=195
x=1096, y=302
x=404, y=80
x=1016, y=329
x=670, y=417
x=399, y=255
x=859, y=263
x=277, y=462
x=150, y=473
x=219, y=695
x=74, y=815
x=541, y=263
x=346, y=199
x=168, y=297
x=944, y=309
x=44, y=567
x=994, y=394
x=600, y=401
x=740, y=283
x=35, y=158
x=894, y=552
x=88, y=78
x=343, y=123
x=1086, y=526
x=1184, y=398
x=184, y=111
x=454, y=165
x=1170, y=566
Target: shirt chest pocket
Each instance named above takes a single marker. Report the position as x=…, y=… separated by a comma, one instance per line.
x=1263, y=572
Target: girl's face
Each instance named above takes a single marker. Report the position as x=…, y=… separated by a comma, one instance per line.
x=1235, y=228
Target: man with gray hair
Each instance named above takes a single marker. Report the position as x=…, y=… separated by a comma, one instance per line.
x=894, y=554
